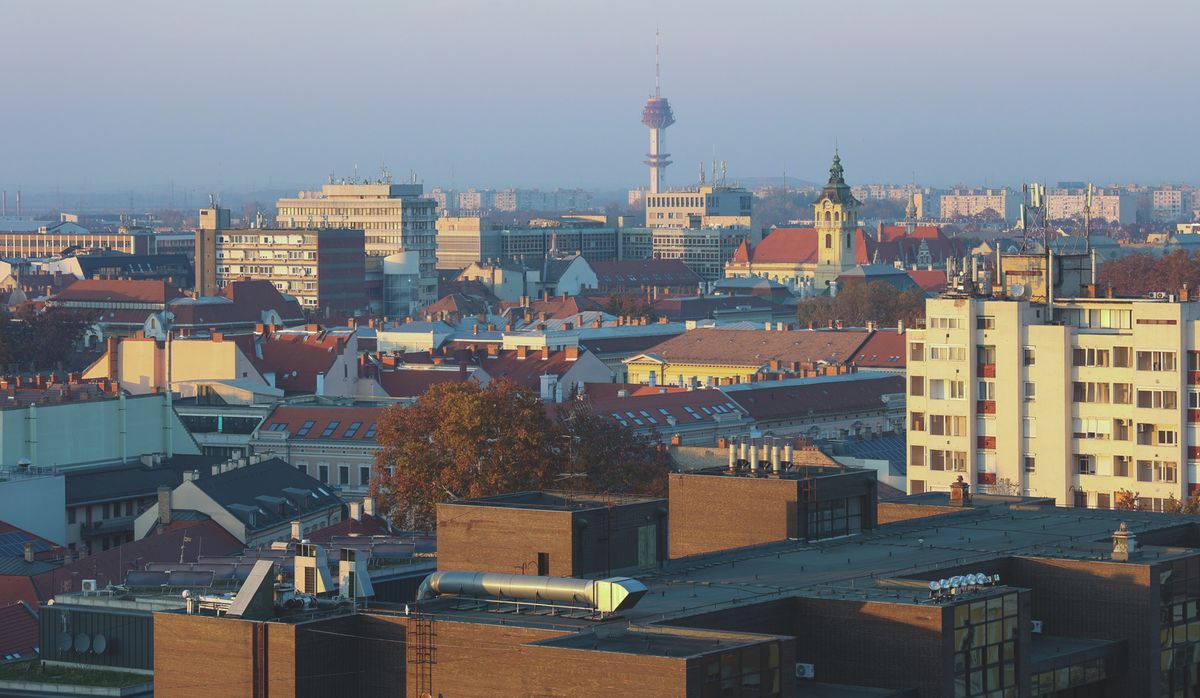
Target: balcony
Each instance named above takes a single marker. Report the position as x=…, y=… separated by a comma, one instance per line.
x=1193, y=377
x=986, y=370
x=985, y=407
x=985, y=442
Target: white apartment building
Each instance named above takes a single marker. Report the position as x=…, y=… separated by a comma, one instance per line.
x=709, y=206
x=1100, y=397
x=965, y=203
x=1117, y=207
x=1171, y=204
x=394, y=217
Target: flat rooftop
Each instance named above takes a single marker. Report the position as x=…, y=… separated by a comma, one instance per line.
x=554, y=501
x=799, y=471
x=872, y=566
x=662, y=642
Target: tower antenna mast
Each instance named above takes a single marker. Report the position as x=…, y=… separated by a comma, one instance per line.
x=657, y=65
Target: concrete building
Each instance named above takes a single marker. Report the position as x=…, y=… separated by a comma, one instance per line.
x=323, y=268
x=1077, y=400
x=334, y=443
x=51, y=239
x=464, y=240
x=1002, y=203
x=1109, y=205
x=394, y=217
x=1171, y=204
x=708, y=206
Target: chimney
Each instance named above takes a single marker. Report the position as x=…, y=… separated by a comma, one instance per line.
x=368, y=506
x=960, y=493
x=522, y=352
x=1124, y=544
x=572, y=353
x=68, y=556
x=900, y=327
x=545, y=353
x=164, y=505
x=355, y=511
x=297, y=531
x=28, y=552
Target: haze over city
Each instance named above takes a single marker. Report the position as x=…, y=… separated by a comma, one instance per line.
x=229, y=95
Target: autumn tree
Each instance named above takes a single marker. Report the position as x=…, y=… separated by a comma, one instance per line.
x=604, y=456
x=1139, y=274
x=461, y=440
x=46, y=338
x=629, y=304
x=1125, y=500
x=856, y=304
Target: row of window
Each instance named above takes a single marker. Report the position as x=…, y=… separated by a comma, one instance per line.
x=1117, y=357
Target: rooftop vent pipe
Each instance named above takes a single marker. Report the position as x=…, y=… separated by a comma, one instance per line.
x=603, y=595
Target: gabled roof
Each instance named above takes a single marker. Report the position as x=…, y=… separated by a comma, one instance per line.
x=555, y=307
x=643, y=273
x=624, y=345
x=528, y=371
x=756, y=348
x=878, y=273
x=891, y=232
x=883, y=349
x=288, y=493
x=413, y=382
x=457, y=304
x=703, y=307
x=117, y=291
x=810, y=397
x=368, y=526
x=132, y=480
x=786, y=246
x=13, y=540
x=242, y=302
x=18, y=632
x=930, y=280
x=656, y=408
x=324, y=422
x=297, y=357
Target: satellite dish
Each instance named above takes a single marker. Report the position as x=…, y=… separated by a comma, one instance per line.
x=995, y=579
x=1016, y=291
x=99, y=644
x=944, y=583
x=956, y=581
x=935, y=585
x=82, y=642
x=64, y=642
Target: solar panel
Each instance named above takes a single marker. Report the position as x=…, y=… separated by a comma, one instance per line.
x=190, y=578
x=393, y=550
x=13, y=543
x=219, y=570
x=145, y=578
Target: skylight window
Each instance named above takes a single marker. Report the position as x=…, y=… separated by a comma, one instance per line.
x=305, y=428
x=330, y=428
x=352, y=430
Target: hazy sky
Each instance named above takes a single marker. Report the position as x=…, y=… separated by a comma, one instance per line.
x=237, y=94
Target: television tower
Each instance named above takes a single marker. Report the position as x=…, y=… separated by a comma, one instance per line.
x=657, y=116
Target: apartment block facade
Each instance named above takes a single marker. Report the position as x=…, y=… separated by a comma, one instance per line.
x=322, y=268
x=1097, y=397
x=707, y=206
x=966, y=203
x=394, y=217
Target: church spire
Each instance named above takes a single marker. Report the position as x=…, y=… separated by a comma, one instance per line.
x=835, y=170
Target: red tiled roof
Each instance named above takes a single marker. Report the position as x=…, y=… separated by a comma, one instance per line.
x=528, y=371
x=686, y=407
x=457, y=304
x=556, y=308
x=304, y=354
x=891, y=232
x=759, y=347
x=111, y=566
x=369, y=526
x=292, y=419
x=608, y=391
x=884, y=349
x=14, y=588
x=18, y=632
x=787, y=245
x=118, y=291
x=405, y=383
x=767, y=401
x=248, y=300
x=930, y=280
x=742, y=254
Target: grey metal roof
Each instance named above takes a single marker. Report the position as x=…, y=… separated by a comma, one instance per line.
x=295, y=493
x=127, y=480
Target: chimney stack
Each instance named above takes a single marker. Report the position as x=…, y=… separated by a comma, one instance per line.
x=960, y=493
x=297, y=531
x=355, y=511
x=28, y=552
x=164, y=505
x=368, y=506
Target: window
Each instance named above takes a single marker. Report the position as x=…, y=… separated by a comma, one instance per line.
x=1087, y=428
x=1030, y=391
x=323, y=473
x=1157, y=471
x=916, y=455
x=1121, y=466
x=343, y=475
x=277, y=426
x=946, y=352
x=1122, y=393
x=1086, y=356
x=916, y=421
x=329, y=429
x=985, y=354
x=370, y=432
x=1156, y=361
x=985, y=322
x=944, y=323
x=1194, y=360
x=1156, y=399
x=305, y=428
x=70, y=515
x=1030, y=463
x=947, y=425
x=1103, y=500
x=1091, y=392
x=986, y=426
x=1029, y=427
x=916, y=351
x=916, y=386
x=958, y=390
x=947, y=460
x=1085, y=464
x=364, y=475
x=352, y=430
x=985, y=647
x=1122, y=357
x=1029, y=356
x=987, y=390
x=1194, y=399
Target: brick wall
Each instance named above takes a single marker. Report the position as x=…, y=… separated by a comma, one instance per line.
x=891, y=512
x=187, y=648
x=711, y=513
x=501, y=539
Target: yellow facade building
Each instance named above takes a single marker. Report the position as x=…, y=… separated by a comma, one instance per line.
x=1079, y=402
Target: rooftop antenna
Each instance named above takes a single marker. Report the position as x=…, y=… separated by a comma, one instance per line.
x=1087, y=219
x=724, y=171
x=657, y=65
x=701, y=172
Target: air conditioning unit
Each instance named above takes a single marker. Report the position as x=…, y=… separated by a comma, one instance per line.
x=805, y=671
x=1037, y=626
x=89, y=586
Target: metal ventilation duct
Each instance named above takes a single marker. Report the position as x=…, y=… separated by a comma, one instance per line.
x=602, y=595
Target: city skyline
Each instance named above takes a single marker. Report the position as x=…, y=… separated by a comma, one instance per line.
x=237, y=105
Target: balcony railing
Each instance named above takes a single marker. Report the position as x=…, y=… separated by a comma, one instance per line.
x=986, y=370
x=985, y=407
x=986, y=442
